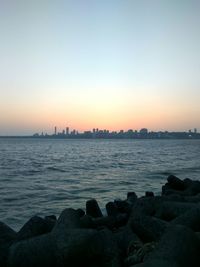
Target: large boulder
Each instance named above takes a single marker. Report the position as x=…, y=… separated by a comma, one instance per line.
x=191, y=219
x=178, y=247
x=73, y=247
x=124, y=236
x=185, y=187
x=87, y=222
x=112, y=209
x=169, y=210
x=175, y=183
x=147, y=228
x=194, y=188
x=36, y=226
x=7, y=234
x=146, y=206
x=123, y=206
x=7, y=237
x=131, y=197
x=68, y=219
x=92, y=208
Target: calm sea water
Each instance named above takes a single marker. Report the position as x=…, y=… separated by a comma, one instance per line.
x=42, y=177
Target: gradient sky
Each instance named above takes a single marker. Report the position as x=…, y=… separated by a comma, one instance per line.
x=115, y=64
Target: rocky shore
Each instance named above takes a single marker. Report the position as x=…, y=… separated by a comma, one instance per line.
x=150, y=231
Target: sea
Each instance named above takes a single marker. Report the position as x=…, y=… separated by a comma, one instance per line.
x=44, y=176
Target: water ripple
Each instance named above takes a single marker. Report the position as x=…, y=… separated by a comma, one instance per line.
x=45, y=176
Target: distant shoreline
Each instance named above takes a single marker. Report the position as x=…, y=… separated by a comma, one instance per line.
x=99, y=138
x=143, y=133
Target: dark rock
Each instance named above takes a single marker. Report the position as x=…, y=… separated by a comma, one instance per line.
x=194, y=199
x=52, y=217
x=68, y=219
x=74, y=247
x=123, y=206
x=87, y=222
x=87, y=247
x=121, y=219
x=175, y=183
x=191, y=219
x=50, y=222
x=167, y=190
x=149, y=194
x=92, y=208
x=131, y=197
x=131, y=230
x=36, y=251
x=147, y=228
x=187, y=182
x=7, y=234
x=112, y=209
x=107, y=221
x=111, y=222
x=174, y=197
x=186, y=187
x=178, y=247
x=34, y=227
x=193, y=189
x=181, y=198
x=124, y=236
x=146, y=206
x=170, y=210
x=7, y=237
x=81, y=212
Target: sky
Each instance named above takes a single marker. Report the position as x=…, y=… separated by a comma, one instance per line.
x=107, y=64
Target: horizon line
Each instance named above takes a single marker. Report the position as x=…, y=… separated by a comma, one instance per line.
x=96, y=131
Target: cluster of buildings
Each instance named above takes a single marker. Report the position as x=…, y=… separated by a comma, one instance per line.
x=132, y=134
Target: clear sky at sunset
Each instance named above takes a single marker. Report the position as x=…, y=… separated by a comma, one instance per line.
x=115, y=64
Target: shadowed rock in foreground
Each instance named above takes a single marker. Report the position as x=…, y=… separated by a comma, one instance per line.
x=150, y=231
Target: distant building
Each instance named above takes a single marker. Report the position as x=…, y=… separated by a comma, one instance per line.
x=55, y=130
x=144, y=131
x=67, y=130
x=73, y=132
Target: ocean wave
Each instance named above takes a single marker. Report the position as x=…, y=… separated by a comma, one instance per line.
x=72, y=172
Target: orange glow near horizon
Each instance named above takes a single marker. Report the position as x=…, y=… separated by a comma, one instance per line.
x=104, y=109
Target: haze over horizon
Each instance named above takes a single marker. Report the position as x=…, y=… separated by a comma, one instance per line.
x=99, y=64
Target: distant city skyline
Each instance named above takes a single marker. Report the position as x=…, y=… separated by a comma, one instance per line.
x=59, y=129
x=106, y=64
x=67, y=131
x=97, y=133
